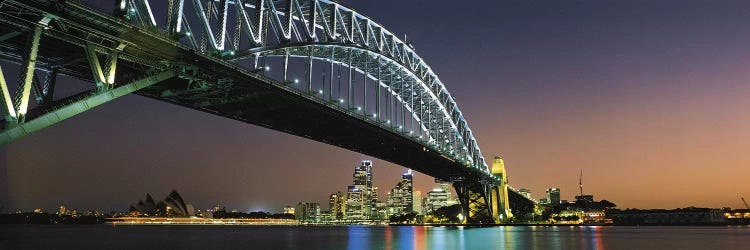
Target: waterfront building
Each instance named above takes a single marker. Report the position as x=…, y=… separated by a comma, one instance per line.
x=401, y=197
x=172, y=206
x=584, y=198
x=553, y=196
x=526, y=193
x=445, y=186
x=307, y=212
x=362, y=196
x=380, y=212
x=337, y=205
x=289, y=210
x=354, y=208
x=680, y=216
x=736, y=216
x=417, y=202
x=62, y=210
x=436, y=199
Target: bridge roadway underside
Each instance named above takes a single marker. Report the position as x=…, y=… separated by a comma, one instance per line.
x=253, y=98
x=272, y=107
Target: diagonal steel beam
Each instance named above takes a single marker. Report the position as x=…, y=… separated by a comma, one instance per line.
x=27, y=78
x=80, y=106
x=7, y=108
x=9, y=35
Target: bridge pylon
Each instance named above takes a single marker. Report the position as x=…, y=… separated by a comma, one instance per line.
x=475, y=199
x=500, y=200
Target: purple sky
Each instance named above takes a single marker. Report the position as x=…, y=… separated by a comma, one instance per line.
x=648, y=98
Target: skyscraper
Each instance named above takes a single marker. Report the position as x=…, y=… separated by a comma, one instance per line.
x=553, y=196
x=354, y=209
x=417, y=202
x=307, y=212
x=337, y=205
x=401, y=197
x=362, y=196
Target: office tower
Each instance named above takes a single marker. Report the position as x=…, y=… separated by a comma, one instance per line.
x=401, y=197
x=553, y=196
x=337, y=205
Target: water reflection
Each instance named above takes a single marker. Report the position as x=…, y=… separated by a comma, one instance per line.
x=541, y=237
x=369, y=237
x=359, y=237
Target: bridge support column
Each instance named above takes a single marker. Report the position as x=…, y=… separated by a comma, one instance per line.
x=475, y=201
x=500, y=200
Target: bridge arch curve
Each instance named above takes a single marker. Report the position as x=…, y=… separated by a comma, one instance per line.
x=292, y=26
x=212, y=55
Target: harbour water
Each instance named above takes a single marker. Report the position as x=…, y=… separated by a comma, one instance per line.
x=369, y=237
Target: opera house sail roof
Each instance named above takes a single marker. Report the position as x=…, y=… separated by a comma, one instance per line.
x=173, y=205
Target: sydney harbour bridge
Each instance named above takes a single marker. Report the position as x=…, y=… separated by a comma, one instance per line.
x=311, y=68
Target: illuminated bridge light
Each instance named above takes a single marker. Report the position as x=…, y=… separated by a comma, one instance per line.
x=430, y=104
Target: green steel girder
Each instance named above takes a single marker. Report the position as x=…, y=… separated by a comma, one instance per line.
x=378, y=54
x=80, y=106
x=475, y=201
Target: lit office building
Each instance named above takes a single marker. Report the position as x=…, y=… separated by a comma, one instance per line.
x=307, y=212
x=289, y=210
x=553, y=196
x=436, y=199
x=362, y=196
x=62, y=210
x=337, y=205
x=401, y=197
x=417, y=202
x=354, y=208
x=526, y=193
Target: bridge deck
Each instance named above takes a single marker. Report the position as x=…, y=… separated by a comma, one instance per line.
x=260, y=100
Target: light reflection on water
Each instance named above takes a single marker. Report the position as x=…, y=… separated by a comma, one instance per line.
x=369, y=237
x=549, y=237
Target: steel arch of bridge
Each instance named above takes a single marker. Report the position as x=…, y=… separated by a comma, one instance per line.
x=410, y=100
x=318, y=30
x=312, y=28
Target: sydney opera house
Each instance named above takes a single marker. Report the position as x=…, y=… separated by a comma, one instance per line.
x=174, y=211
x=172, y=206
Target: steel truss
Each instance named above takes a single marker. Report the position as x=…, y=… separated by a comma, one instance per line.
x=246, y=30
x=138, y=50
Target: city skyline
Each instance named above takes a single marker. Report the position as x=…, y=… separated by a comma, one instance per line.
x=617, y=93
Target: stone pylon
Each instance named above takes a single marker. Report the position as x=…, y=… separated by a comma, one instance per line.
x=500, y=204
